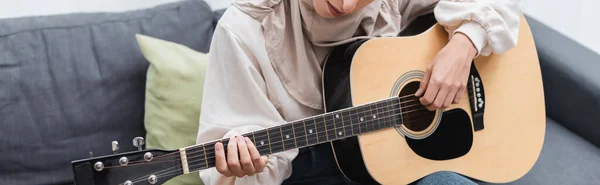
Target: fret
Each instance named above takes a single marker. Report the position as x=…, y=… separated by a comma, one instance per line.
x=311, y=129
x=374, y=118
x=361, y=119
x=193, y=163
x=354, y=121
x=198, y=158
x=386, y=114
x=346, y=118
x=338, y=126
x=399, y=111
x=212, y=161
x=396, y=111
x=205, y=157
x=300, y=134
x=364, y=118
x=372, y=122
x=377, y=117
x=261, y=141
x=320, y=129
x=392, y=110
x=288, y=136
x=275, y=139
x=329, y=127
x=252, y=138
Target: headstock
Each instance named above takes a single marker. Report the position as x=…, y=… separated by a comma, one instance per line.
x=142, y=167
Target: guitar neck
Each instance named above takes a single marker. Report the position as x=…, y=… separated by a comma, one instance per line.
x=305, y=132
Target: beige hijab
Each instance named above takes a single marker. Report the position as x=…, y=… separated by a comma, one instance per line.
x=298, y=39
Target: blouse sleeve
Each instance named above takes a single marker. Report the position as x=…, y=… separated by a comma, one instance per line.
x=492, y=25
x=235, y=102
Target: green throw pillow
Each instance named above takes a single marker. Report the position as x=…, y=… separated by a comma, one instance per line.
x=175, y=80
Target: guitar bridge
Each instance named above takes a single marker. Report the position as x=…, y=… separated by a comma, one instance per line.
x=476, y=98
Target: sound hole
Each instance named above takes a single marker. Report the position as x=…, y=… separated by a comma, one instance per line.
x=415, y=116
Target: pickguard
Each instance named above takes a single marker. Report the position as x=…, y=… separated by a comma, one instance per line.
x=453, y=138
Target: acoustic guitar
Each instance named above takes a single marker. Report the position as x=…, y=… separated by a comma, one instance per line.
x=379, y=131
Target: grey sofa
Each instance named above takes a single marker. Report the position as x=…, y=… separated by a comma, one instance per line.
x=71, y=84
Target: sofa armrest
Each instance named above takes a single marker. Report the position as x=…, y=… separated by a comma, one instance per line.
x=571, y=75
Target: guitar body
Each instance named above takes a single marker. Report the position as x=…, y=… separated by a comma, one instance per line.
x=495, y=134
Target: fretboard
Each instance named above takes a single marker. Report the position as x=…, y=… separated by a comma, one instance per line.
x=310, y=131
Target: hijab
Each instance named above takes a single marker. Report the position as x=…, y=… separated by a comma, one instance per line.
x=298, y=40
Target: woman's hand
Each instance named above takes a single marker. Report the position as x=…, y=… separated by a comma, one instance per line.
x=446, y=77
x=249, y=161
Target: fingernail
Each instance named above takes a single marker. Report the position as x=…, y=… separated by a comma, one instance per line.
x=418, y=93
x=218, y=146
x=240, y=141
x=247, y=140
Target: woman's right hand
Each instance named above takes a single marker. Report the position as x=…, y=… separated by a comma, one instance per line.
x=249, y=161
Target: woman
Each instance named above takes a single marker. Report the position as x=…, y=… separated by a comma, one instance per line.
x=265, y=70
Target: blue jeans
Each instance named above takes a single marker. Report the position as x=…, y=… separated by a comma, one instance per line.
x=316, y=165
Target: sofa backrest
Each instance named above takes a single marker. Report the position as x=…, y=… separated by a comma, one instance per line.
x=571, y=76
x=71, y=84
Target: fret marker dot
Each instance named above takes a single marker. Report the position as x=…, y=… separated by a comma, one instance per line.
x=262, y=143
x=287, y=136
x=374, y=116
x=337, y=116
x=310, y=131
x=361, y=119
x=340, y=133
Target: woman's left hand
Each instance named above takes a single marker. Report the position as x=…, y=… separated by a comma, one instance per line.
x=446, y=77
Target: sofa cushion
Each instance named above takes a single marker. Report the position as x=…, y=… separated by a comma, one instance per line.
x=174, y=87
x=71, y=84
x=566, y=158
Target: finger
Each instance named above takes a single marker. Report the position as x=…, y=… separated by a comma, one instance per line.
x=221, y=163
x=424, y=81
x=232, y=158
x=451, y=94
x=262, y=162
x=439, y=99
x=430, y=94
x=459, y=94
x=254, y=156
x=245, y=160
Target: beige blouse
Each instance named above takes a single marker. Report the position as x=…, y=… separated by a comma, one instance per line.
x=244, y=92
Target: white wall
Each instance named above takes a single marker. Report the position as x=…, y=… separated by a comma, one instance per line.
x=577, y=19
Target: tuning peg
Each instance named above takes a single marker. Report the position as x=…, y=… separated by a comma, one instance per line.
x=115, y=147
x=138, y=142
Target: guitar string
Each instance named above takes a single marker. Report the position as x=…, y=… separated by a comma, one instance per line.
x=174, y=158
x=164, y=174
x=345, y=126
x=323, y=128
x=204, y=164
x=174, y=154
x=276, y=144
x=401, y=97
x=199, y=158
x=379, y=124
